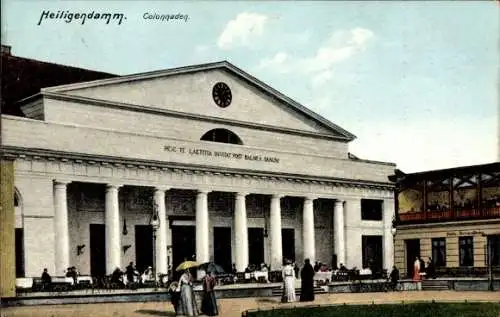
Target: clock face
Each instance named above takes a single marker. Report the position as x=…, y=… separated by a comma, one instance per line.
x=222, y=95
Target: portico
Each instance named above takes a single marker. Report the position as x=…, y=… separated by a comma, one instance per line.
x=114, y=215
x=229, y=184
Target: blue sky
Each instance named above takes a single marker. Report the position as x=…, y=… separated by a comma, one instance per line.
x=416, y=82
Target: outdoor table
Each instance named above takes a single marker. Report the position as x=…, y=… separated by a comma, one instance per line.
x=24, y=282
x=62, y=280
x=323, y=276
x=86, y=279
x=256, y=275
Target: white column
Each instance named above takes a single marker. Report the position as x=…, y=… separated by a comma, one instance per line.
x=161, y=235
x=240, y=232
x=169, y=245
x=338, y=232
x=61, y=229
x=112, y=222
x=275, y=233
x=202, y=236
x=308, y=230
x=352, y=221
x=388, y=245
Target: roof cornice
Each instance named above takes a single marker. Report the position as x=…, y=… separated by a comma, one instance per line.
x=225, y=65
x=185, y=115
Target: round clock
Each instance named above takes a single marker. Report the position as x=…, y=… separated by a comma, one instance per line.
x=222, y=95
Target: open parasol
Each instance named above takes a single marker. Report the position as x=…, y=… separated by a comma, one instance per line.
x=212, y=268
x=186, y=265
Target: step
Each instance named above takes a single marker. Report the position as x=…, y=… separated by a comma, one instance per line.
x=279, y=291
x=434, y=282
x=435, y=288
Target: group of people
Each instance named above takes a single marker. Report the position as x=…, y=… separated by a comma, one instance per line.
x=184, y=300
x=320, y=267
x=183, y=297
x=306, y=278
x=131, y=276
x=422, y=268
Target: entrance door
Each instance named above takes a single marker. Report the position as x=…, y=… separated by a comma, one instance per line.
x=255, y=246
x=183, y=244
x=97, y=250
x=19, y=252
x=372, y=252
x=143, y=247
x=222, y=247
x=412, y=251
x=288, y=244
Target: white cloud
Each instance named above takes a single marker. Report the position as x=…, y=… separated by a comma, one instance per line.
x=319, y=67
x=360, y=37
x=340, y=46
x=325, y=58
x=242, y=30
x=425, y=144
x=278, y=62
x=322, y=78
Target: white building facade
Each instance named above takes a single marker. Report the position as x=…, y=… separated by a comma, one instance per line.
x=236, y=172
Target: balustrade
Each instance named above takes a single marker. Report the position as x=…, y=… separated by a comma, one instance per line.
x=449, y=215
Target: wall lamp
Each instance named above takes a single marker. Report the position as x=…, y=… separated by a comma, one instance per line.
x=126, y=247
x=79, y=249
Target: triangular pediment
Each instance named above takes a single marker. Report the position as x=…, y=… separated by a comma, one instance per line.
x=189, y=90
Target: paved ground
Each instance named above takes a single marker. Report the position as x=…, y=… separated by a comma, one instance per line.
x=234, y=307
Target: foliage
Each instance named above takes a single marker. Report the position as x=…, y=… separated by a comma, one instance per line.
x=385, y=310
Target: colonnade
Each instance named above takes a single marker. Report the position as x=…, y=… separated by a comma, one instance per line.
x=202, y=221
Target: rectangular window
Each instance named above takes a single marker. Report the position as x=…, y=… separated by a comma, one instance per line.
x=494, y=242
x=371, y=209
x=439, y=251
x=466, y=251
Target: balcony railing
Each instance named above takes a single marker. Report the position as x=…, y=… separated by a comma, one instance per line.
x=448, y=215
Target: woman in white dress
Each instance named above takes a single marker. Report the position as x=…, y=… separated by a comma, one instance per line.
x=289, y=283
x=187, y=304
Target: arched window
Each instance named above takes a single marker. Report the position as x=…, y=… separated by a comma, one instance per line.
x=222, y=136
x=16, y=199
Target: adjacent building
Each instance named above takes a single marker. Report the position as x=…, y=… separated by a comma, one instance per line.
x=451, y=216
x=233, y=170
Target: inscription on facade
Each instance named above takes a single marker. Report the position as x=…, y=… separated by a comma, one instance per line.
x=464, y=233
x=223, y=154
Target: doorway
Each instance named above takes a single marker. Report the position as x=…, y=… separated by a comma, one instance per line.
x=288, y=244
x=97, y=250
x=143, y=247
x=183, y=244
x=372, y=252
x=412, y=251
x=255, y=246
x=19, y=252
x=222, y=247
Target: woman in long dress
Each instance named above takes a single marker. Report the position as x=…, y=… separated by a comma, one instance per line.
x=209, y=303
x=307, y=282
x=289, y=283
x=187, y=304
x=416, y=273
